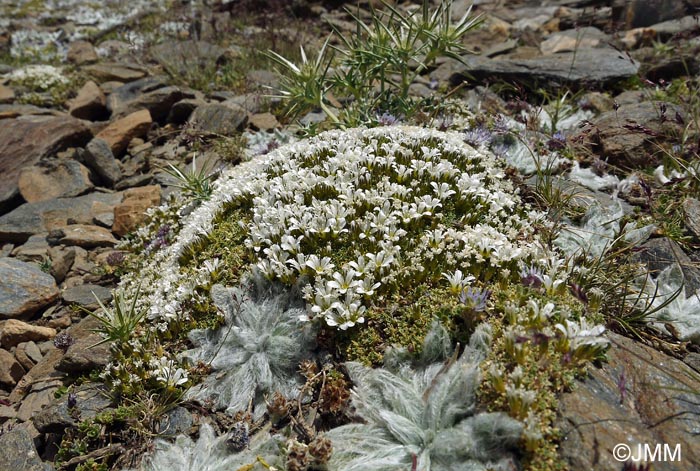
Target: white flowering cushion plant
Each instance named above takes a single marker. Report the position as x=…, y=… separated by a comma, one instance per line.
x=377, y=232
x=358, y=215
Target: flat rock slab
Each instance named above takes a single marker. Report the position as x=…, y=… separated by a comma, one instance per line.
x=13, y=332
x=18, y=453
x=27, y=139
x=25, y=289
x=35, y=218
x=583, y=67
x=108, y=72
x=633, y=399
x=63, y=179
x=84, y=235
x=87, y=295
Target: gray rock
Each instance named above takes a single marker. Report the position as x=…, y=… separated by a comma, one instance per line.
x=10, y=369
x=639, y=13
x=26, y=140
x=25, y=289
x=18, y=452
x=84, y=295
x=621, y=133
x=219, y=118
x=150, y=93
x=180, y=58
x=691, y=208
x=182, y=110
x=91, y=399
x=34, y=218
x=175, y=422
x=35, y=249
x=50, y=179
x=585, y=67
x=658, y=254
x=80, y=356
x=98, y=157
x=634, y=398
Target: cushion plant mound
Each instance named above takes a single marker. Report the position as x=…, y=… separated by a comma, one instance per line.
x=355, y=216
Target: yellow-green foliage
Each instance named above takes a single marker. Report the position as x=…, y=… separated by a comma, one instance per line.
x=542, y=368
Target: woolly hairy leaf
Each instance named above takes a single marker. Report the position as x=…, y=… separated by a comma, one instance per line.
x=208, y=453
x=426, y=414
x=681, y=311
x=255, y=353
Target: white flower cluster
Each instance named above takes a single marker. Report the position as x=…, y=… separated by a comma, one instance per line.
x=37, y=77
x=355, y=212
x=386, y=204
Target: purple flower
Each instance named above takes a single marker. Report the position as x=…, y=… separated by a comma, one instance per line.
x=239, y=439
x=160, y=239
x=478, y=136
x=500, y=150
x=63, y=341
x=475, y=299
x=531, y=276
x=115, y=259
x=72, y=400
x=500, y=125
x=387, y=119
x=557, y=142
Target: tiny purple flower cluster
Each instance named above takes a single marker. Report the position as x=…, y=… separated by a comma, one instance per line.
x=161, y=238
x=388, y=119
x=478, y=136
x=557, y=142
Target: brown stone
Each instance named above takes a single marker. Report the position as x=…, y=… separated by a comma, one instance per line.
x=23, y=356
x=112, y=72
x=81, y=52
x=7, y=95
x=27, y=139
x=90, y=103
x=132, y=211
x=54, y=180
x=14, y=332
x=264, y=121
x=87, y=236
x=120, y=132
x=10, y=369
